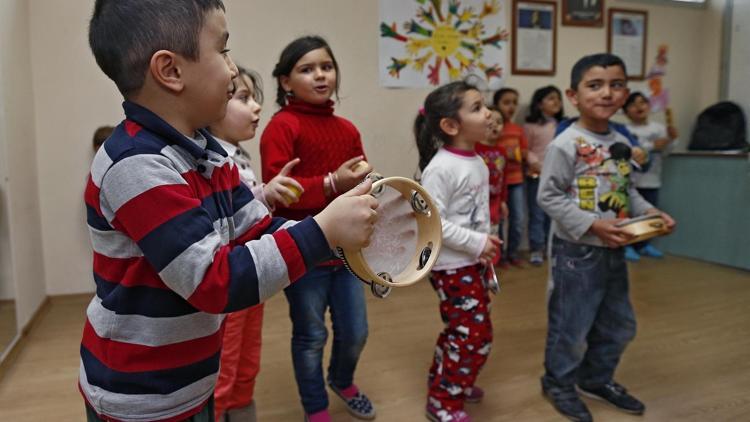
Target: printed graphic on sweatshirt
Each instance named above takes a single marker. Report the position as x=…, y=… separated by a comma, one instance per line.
x=603, y=177
x=495, y=161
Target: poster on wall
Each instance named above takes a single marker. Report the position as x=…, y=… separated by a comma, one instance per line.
x=582, y=12
x=426, y=43
x=626, y=38
x=534, y=37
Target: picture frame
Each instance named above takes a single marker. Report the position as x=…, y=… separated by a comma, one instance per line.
x=627, y=33
x=587, y=13
x=534, y=37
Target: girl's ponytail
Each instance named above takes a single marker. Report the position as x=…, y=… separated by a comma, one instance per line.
x=443, y=102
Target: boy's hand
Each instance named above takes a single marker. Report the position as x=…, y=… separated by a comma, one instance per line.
x=349, y=220
x=504, y=211
x=348, y=175
x=672, y=133
x=667, y=218
x=640, y=155
x=609, y=233
x=491, y=249
x=281, y=189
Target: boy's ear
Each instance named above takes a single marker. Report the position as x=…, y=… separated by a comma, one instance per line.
x=572, y=95
x=165, y=67
x=449, y=126
x=284, y=80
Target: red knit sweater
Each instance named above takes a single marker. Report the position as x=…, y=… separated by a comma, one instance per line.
x=321, y=140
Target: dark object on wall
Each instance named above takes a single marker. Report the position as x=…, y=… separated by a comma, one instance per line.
x=720, y=127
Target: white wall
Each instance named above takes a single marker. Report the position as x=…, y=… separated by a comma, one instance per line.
x=739, y=65
x=72, y=97
x=18, y=131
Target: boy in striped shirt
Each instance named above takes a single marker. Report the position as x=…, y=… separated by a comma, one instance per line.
x=178, y=240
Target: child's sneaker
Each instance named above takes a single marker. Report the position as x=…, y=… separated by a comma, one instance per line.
x=473, y=395
x=616, y=395
x=537, y=258
x=322, y=416
x=631, y=255
x=650, y=250
x=441, y=415
x=567, y=402
x=356, y=402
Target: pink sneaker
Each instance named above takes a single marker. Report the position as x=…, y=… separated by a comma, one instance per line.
x=441, y=415
x=322, y=416
x=474, y=395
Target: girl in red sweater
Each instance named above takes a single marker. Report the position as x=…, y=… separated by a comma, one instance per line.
x=330, y=149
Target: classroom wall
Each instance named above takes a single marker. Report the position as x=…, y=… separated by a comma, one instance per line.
x=17, y=129
x=72, y=97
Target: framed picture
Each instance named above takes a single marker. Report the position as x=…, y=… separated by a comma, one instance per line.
x=626, y=38
x=583, y=13
x=534, y=37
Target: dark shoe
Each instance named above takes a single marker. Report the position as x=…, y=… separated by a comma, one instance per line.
x=568, y=403
x=358, y=405
x=616, y=395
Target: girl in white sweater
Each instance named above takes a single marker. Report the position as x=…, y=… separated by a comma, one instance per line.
x=453, y=120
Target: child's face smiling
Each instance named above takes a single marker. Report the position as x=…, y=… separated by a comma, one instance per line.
x=551, y=104
x=313, y=79
x=638, y=110
x=601, y=92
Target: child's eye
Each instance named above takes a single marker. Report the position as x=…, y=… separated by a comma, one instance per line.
x=327, y=67
x=225, y=51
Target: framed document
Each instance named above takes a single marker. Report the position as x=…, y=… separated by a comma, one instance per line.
x=626, y=37
x=583, y=13
x=534, y=37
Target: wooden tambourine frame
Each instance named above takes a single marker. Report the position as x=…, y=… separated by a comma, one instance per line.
x=644, y=227
x=429, y=240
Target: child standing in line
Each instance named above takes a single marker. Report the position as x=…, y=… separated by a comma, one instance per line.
x=656, y=140
x=514, y=141
x=545, y=113
x=240, y=353
x=586, y=189
x=178, y=239
x=496, y=159
x=454, y=120
x=329, y=148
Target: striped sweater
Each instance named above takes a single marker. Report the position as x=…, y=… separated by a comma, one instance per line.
x=178, y=241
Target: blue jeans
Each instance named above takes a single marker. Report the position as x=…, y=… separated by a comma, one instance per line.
x=515, y=220
x=539, y=221
x=590, y=318
x=336, y=288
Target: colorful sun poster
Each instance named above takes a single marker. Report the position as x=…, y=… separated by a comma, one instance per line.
x=425, y=43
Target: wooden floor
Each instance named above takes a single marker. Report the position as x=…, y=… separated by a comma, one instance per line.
x=8, y=328
x=689, y=362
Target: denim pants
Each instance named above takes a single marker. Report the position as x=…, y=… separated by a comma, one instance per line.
x=539, y=221
x=515, y=220
x=652, y=196
x=325, y=287
x=590, y=318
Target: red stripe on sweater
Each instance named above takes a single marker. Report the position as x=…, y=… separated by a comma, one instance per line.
x=129, y=272
x=295, y=264
x=211, y=295
x=91, y=195
x=255, y=231
x=152, y=208
x=128, y=357
x=132, y=128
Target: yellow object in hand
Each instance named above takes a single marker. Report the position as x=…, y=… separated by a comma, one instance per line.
x=297, y=193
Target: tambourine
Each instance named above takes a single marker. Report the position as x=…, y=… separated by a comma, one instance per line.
x=644, y=227
x=406, y=240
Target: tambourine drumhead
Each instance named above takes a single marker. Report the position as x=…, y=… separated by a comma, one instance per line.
x=644, y=227
x=407, y=237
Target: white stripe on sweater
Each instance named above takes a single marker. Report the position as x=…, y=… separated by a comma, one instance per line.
x=153, y=332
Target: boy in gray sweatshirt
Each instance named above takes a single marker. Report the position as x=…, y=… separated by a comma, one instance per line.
x=586, y=188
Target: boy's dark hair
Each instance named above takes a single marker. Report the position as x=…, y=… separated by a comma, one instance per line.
x=535, y=112
x=100, y=135
x=124, y=34
x=587, y=62
x=255, y=79
x=443, y=102
x=291, y=54
x=500, y=92
x=631, y=99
